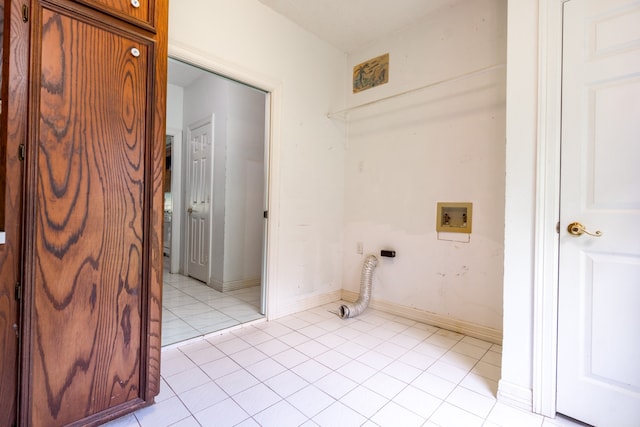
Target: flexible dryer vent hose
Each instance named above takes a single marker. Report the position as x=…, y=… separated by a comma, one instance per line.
x=352, y=310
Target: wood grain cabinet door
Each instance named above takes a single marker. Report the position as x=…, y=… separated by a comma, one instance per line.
x=90, y=293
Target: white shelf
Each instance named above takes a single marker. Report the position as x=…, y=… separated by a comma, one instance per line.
x=2, y=238
x=341, y=114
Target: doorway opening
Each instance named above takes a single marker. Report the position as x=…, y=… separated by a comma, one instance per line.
x=215, y=203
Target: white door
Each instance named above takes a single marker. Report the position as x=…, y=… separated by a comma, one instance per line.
x=198, y=199
x=599, y=278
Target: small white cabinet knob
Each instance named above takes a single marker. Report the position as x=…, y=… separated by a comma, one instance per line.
x=135, y=52
x=135, y=3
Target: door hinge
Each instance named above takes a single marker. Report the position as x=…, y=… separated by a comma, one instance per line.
x=18, y=291
x=265, y=214
x=558, y=227
x=21, y=152
x=25, y=13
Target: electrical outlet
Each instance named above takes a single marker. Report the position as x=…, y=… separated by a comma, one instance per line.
x=359, y=248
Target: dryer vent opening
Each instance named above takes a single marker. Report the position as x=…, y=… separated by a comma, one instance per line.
x=352, y=310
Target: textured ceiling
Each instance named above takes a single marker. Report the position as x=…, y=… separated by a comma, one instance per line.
x=350, y=24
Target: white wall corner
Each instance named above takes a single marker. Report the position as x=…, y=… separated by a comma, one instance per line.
x=515, y=395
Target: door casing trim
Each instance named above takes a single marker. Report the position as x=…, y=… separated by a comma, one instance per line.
x=274, y=89
x=546, y=262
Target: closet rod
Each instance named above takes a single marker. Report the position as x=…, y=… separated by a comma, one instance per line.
x=336, y=114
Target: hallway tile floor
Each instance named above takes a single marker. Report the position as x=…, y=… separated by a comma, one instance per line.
x=191, y=309
x=315, y=369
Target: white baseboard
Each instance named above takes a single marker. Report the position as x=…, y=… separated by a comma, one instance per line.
x=234, y=284
x=305, y=303
x=463, y=327
x=467, y=328
x=515, y=395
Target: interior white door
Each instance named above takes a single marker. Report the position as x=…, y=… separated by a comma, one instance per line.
x=599, y=276
x=198, y=198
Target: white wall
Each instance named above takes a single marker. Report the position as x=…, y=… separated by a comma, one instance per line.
x=408, y=149
x=175, y=95
x=306, y=75
x=442, y=144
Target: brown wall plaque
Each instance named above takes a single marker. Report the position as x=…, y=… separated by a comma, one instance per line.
x=371, y=73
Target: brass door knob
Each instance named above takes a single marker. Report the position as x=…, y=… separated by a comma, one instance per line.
x=577, y=229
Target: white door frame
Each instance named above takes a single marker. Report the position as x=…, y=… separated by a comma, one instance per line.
x=274, y=89
x=265, y=206
x=176, y=199
x=545, y=309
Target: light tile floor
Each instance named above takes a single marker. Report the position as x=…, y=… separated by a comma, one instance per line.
x=315, y=369
x=191, y=309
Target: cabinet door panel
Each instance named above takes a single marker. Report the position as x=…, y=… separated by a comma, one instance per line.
x=89, y=282
x=136, y=11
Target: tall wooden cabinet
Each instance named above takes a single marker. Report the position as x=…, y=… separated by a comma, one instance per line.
x=84, y=166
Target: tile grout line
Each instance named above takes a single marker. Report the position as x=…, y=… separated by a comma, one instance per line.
x=378, y=345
